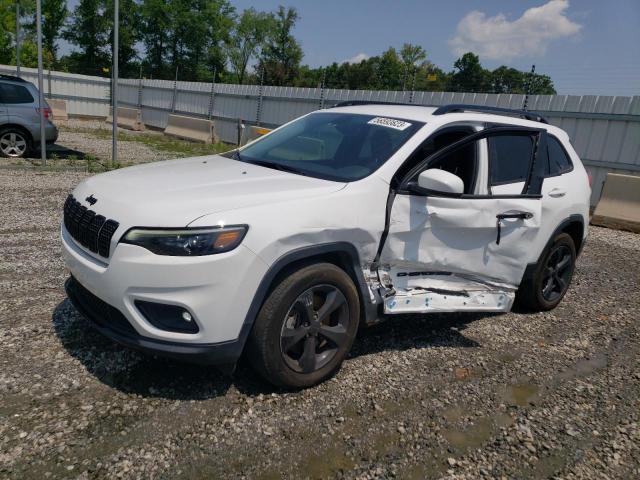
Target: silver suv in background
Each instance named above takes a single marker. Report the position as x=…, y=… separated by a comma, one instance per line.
x=20, y=118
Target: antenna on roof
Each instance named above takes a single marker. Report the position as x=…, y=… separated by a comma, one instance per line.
x=527, y=89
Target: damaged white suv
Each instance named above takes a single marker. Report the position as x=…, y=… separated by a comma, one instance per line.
x=283, y=248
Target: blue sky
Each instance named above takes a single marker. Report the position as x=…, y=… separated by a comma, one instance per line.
x=587, y=46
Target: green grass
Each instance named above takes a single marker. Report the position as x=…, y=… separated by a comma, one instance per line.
x=176, y=147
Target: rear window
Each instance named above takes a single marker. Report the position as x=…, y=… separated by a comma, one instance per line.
x=559, y=161
x=10, y=93
x=509, y=158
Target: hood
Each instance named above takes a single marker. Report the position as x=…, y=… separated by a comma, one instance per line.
x=176, y=192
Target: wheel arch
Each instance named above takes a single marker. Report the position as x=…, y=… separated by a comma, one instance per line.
x=17, y=126
x=342, y=254
x=573, y=225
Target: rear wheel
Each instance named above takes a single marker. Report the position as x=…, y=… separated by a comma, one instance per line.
x=14, y=143
x=551, y=278
x=306, y=327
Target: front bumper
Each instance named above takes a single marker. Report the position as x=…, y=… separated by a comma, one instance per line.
x=112, y=324
x=216, y=289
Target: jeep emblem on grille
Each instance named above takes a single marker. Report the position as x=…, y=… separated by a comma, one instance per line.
x=91, y=199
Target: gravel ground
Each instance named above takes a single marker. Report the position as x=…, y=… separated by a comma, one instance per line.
x=128, y=152
x=550, y=395
x=74, y=141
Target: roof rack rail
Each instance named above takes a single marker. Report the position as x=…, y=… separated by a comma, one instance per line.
x=12, y=78
x=459, y=107
x=353, y=103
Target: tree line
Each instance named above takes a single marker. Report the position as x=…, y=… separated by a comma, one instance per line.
x=197, y=39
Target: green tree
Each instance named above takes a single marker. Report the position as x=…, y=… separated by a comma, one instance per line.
x=411, y=56
x=54, y=13
x=281, y=55
x=361, y=75
x=155, y=32
x=128, y=35
x=219, y=18
x=247, y=37
x=507, y=80
x=88, y=30
x=542, y=85
x=469, y=76
x=7, y=30
x=431, y=78
x=389, y=70
x=198, y=30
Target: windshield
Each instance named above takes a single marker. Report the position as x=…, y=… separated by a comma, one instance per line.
x=334, y=146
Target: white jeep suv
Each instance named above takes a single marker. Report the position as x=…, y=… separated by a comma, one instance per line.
x=283, y=248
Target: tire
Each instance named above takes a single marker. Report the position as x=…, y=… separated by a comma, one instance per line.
x=292, y=323
x=14, y=143
x=550, y=281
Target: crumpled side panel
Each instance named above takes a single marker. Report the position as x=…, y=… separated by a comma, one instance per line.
x=452, y=235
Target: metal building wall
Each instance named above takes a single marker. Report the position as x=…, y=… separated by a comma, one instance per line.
x=605, y=130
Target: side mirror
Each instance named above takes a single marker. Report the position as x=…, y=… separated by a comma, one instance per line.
x=441, y=181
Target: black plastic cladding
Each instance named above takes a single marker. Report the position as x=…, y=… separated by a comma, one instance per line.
x=87, y=228
x=101, y=312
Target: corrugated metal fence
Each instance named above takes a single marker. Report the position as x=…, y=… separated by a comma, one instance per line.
x=605, y=130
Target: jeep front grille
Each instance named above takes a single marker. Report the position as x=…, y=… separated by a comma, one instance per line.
x=88, y=229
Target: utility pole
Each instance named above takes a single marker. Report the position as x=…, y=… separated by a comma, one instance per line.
x=18, y=38
x=43, y=145
x=114, y=89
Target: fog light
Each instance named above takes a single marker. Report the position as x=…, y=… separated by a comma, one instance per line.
x=172, y=318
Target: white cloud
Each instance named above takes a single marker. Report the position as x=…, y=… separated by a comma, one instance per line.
x=361, y=57
x=497, y=38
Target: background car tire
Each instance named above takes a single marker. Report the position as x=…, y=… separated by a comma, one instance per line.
x=20, y=136
x=264, y=346
x=530, y=295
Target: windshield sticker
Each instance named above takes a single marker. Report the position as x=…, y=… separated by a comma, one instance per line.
x=390, y=123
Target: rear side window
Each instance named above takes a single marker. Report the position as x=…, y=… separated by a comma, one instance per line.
x=559, y=161
x=14, y=94
x=509, y=158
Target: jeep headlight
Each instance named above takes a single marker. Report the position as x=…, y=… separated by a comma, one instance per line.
x=188, y=242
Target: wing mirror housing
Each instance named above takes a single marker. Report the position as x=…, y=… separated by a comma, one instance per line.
x=441, y=181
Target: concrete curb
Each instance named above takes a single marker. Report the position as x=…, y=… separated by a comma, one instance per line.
x=619, y=205
x=190, y=128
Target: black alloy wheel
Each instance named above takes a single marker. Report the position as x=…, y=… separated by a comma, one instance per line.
x=557, y=273
x=306, y=326
x=543, y=288
x=315, y=328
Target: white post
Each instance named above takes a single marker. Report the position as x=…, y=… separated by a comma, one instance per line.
x=18, y=38
x=43, y=145
x=114, y=88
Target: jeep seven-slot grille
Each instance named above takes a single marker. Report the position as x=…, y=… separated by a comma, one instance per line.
x=88, y=229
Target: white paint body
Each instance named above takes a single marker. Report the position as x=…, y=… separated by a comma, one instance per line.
x=285, y=211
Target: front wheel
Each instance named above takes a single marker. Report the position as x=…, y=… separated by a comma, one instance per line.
x=551, y=278
x=306, y=327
